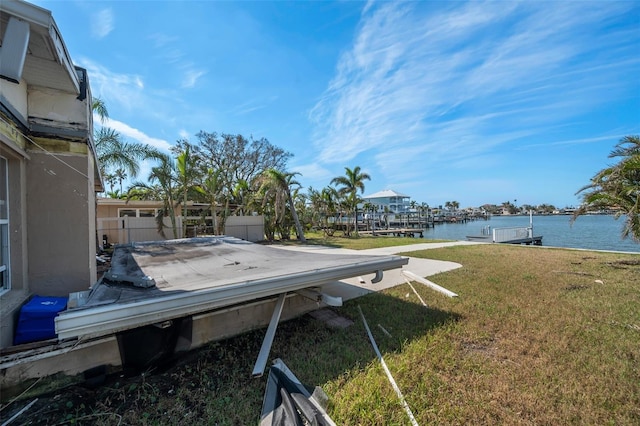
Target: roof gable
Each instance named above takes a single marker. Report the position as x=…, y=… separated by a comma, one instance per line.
x=385, y=194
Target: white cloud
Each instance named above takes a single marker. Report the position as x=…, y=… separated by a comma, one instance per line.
x=437, y=82
x=137, y=135
x=102, y=23
x=126, y=89
x=191, y=77
x=313, y=174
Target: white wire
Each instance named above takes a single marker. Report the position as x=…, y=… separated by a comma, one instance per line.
x=47, y=152
x=387, y=372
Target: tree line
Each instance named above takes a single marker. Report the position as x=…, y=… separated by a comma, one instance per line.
x=236, y=175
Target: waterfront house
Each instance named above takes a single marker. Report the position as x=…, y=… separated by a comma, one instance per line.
x=389, y=201
x=48, y=167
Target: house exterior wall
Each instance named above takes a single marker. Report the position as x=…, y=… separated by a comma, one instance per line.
x=123, y=230
x=46, y=137
x=394, y=204
x=58, y=109
x=61, y=240
x=11, y=300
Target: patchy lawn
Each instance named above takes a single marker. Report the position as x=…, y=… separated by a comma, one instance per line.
x=536, y=336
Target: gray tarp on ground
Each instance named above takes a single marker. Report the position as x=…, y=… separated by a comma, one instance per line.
x=201, y=274
x=288, y=402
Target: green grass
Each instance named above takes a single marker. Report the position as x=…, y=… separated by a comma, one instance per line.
x=536, y=336
x=358, y=242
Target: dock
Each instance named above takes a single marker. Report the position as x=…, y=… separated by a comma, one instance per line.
x=536, y=240
x=512, y=235
x=395, y=232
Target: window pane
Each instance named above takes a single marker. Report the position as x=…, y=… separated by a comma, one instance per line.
x=126, y=212
x=4, y=256
x=4, y=181
x=147, y=213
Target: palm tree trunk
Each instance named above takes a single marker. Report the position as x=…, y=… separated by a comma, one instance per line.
x=296, y=219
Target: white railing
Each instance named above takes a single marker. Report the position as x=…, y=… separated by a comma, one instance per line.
x=510, y=234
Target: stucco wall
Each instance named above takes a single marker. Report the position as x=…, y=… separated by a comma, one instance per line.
x=61, y=239
x=11, y=301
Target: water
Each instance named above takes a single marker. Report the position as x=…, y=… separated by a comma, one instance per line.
x=597, y=232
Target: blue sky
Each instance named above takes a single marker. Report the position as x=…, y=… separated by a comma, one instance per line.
x=475, y=102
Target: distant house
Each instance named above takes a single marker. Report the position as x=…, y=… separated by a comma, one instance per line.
x=122, y=221
x=48, y=167
x=389, y=201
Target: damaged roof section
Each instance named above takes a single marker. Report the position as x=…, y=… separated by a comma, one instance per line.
x=155, y=281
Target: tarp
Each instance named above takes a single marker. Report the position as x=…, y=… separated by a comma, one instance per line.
x=288, y=402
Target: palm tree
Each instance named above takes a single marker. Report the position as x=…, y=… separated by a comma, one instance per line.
x=114, y=152
x=368, y=207
x=162, y=186
x=276, y=186
x=120, y=176
x=617, y=187
x=329, y=201
x=99, y=107
x=210, y=188
x=187, y=174
x=241, y=195
x=351, y=183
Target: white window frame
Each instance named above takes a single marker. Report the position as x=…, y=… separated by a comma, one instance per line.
x=137, y=211
x=5, y=249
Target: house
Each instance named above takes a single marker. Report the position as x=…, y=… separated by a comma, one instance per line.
x=125, y=221
x=393, y=201
x=48, y=165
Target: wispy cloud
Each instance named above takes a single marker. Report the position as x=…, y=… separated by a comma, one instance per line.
x=314, y=173
x=125, y=89
x=191, y=77
x=102, y=23
x=137, y=135
x=426, y=82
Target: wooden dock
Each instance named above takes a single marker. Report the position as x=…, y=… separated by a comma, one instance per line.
x=395, y=232
x=536, y=240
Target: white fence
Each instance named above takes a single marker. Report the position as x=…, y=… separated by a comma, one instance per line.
x=501, y=235
x=124, y=230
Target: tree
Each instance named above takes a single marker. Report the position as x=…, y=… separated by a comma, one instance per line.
x=276, y=185
x=162, y=186
x=114, y=153
x=237, y=159
x=350, y=184
x=187, y=176
x=329, y=206
x=210, y=189
x=99, y=107
x=617, y=187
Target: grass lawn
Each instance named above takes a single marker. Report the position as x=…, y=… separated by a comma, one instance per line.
x=536, y=336
x=358, y=242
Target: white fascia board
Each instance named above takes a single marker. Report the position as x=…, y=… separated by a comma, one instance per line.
x=27, y=12
x=108, y=319
x=43, y=18
x=62, y=56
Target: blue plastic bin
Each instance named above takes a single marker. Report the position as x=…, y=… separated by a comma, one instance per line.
x=36, y=320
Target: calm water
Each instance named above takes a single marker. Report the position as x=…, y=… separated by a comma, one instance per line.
x=598, y=232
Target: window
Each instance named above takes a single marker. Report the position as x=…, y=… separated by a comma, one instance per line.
x=147, y=212
x=5, y=282
x=137, y=212
x=126, y=212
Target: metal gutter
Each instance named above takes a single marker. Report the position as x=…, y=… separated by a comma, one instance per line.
x=108, y=319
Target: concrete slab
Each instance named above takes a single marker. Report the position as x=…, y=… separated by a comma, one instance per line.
x=359, y=286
